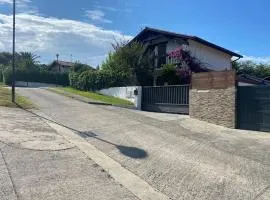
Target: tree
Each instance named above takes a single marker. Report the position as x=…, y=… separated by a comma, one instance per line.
x=251, y=68
x=128, y=61
x=5, y=58
x=79, y=67
x=27, y=61
x=29, y=56
x=24, y=60
x=43, y=67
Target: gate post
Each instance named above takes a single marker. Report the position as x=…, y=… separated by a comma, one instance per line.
x=213, y=98
x=138, y=98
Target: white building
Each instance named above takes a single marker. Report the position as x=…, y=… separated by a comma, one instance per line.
x=161, y=42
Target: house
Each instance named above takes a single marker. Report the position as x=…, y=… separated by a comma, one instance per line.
x=160, y=42
x=61, y=66
x=248, y=80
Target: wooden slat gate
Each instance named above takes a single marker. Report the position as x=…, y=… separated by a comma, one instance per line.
x=253, y=108
x=169, y=99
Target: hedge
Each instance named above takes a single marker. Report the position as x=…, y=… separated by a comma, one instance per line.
x=96, y=80
x=36, y=76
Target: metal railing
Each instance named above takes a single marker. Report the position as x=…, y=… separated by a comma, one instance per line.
x=170, y=95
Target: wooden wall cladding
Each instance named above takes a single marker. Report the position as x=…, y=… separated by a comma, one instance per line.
x=213, y=80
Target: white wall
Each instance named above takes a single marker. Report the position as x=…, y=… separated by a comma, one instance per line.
x=172, y=45
x=212, y=58
x=126, y=93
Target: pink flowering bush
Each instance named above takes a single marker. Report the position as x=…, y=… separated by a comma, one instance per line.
x=184, y=65
x=184, y=58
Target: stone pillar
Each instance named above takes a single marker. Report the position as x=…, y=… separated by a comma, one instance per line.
x=213, y=98
x=216, y=106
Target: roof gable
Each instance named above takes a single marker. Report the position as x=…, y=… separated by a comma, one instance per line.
x=65, y=63
x=152, y=33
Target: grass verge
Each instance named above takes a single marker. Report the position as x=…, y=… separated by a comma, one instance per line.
x=68, y=91
x=20, y=101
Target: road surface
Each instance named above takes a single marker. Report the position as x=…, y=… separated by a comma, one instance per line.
x=37, y=163
x=174, y=154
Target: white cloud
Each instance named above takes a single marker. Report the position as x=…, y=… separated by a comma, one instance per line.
x=113, y=9
x=22, y=6
x=6, y=1
x=97, y=15
x=17, y=1
x=265, y=59
x=47, y=36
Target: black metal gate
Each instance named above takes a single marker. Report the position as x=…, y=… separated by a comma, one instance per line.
x=170, y=99
x=253, y=108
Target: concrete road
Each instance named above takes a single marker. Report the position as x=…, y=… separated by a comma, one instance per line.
x=36, y=163
x=181, y=157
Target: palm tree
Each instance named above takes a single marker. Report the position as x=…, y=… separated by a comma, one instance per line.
x=29, y=56
x=27, y=61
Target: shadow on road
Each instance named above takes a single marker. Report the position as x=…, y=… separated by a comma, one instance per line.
x=132, y=152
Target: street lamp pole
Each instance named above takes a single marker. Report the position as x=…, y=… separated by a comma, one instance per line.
x=57, y=55
x=13, y=54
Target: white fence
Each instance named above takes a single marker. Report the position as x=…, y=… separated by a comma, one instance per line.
x=127, y=93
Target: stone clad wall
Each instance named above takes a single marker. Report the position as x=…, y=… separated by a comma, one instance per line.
x=212, y=98
x=216, y=106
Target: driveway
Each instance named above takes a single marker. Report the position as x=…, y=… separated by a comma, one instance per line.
x=180, y=157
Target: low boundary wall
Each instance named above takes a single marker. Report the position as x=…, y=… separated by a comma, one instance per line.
x=126, y=93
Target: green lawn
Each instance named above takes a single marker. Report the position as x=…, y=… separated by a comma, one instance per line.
x=92, y=95
x=5, y=99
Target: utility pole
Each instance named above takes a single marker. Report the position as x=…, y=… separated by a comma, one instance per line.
x=13, y=54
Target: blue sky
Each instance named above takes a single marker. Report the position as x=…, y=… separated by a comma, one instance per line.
x=86, y=28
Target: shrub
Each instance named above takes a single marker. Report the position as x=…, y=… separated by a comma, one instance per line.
x=87, y=80
x=95, y=80
x=73, y=79
x=169, y=75
x=2, y=67
x=36, y=76
x=1, y=75
x=173, y=75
